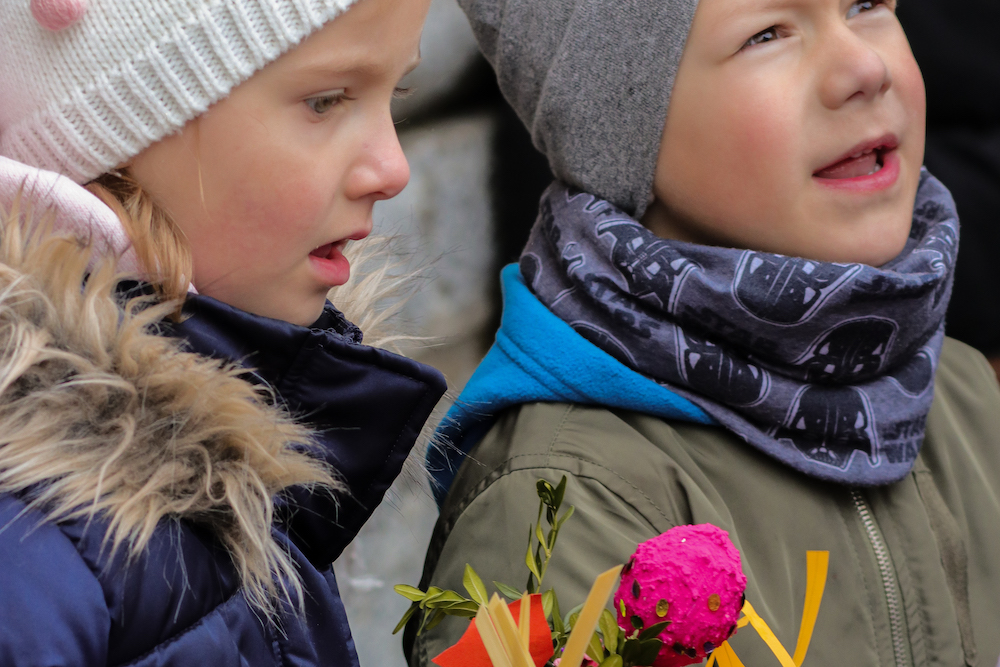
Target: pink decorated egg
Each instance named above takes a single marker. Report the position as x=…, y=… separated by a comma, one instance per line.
x=58, y=15
x=690, y=576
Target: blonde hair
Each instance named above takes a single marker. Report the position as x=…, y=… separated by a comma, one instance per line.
x=158, y=241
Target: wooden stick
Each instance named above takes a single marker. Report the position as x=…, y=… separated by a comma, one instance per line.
x=586, y=623
x=524, y=624
x=503, y=621
x=494, y=648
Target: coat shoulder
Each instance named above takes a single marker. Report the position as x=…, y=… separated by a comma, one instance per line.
x=54, y=610
x=606, y=447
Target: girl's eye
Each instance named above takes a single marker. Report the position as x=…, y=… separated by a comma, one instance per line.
x=402, y=93
x=863, y=6
x=768, y=35
x=323, y=103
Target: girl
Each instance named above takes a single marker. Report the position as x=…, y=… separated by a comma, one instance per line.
x=184, y=455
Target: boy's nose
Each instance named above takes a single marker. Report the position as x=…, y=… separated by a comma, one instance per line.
x=854, y=70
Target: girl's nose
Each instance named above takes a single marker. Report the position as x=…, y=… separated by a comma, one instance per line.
x=382, y=171
x=853, y=70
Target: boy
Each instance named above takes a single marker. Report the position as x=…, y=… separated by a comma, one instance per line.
x=764, y=352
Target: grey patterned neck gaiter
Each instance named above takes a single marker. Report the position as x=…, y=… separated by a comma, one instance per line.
x=827, y=367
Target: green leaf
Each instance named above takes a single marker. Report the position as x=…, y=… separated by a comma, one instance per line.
x=443, y=599
x=432, y=593
x=544, y=489
x=595, y=649
x=653, y=631
x=474, y=585
x=464, y=609
x=574, y=616
x=529, y=559
x=557, y=622
x=568, y=514
x=560, y=493
x=547, y=601
x=435, y=619
x=539, y=534
x=508, y=592
x=409, y=592
x=630, y=651
x=569, y=620
x=406, y=617
x=612, y=661
x=609, y=628
x=648, y=650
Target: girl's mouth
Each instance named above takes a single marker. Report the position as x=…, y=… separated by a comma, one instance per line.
x=324, y=251
x=329, y=262
x=869, y=167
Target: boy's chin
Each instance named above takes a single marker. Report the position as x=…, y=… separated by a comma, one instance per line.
x=875, y=247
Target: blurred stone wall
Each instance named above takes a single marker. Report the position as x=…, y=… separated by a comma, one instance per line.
x=449, y=223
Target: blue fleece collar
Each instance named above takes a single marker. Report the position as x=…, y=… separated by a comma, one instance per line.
x=537, y=357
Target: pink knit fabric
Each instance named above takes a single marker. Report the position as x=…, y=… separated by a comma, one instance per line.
x=58, y=15
x=76, y=210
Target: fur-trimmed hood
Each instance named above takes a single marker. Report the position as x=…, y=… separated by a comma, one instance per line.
x=105, y=417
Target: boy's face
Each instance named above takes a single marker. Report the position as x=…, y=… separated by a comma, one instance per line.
x=270, y=183
x=772, y=105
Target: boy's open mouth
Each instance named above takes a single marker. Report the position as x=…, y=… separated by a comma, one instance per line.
x=866, y=159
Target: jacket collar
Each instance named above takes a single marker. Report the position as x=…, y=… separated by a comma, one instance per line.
x=367, y=405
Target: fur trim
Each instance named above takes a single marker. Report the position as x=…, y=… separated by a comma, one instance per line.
x=99, y=416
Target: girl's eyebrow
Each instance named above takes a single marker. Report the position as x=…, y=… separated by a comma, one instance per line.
x=360, y=68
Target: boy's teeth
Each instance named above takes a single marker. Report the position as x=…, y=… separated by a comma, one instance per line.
x=862, y=164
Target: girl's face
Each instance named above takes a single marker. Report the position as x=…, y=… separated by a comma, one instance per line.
x=271, y=183
x=796, y=127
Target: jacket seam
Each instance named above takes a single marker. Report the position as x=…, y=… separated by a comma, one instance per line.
x=177, y=637
x=504, y=470
x=557, y=431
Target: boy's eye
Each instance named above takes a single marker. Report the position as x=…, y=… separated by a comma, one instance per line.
x=323, y=103
x=768, y=35
x=402, y=93
x=863, y=6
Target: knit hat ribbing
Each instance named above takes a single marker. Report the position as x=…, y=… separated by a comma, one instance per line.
x=85, y=99
x=591, y=79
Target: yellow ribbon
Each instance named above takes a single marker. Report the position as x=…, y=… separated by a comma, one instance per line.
x=817, y=566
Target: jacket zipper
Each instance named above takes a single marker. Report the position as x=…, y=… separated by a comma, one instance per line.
x=888, y=577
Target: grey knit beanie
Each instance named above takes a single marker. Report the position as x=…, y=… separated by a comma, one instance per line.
x=88, y=84
x=591, y=79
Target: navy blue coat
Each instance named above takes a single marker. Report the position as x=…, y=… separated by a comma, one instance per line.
x=63, y=602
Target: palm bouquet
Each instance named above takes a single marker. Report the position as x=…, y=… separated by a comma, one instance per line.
x=678, y=601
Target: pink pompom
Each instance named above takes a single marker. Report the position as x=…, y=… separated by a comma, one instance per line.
x=58, y=15
x=690, y=576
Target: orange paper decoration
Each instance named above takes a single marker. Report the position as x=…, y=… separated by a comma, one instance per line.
x=470, y=652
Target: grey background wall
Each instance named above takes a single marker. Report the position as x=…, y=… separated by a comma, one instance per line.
x=461, y=218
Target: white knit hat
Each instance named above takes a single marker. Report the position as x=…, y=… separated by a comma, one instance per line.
x=103, y=82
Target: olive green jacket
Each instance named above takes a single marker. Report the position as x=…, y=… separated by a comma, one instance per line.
x=914, y=576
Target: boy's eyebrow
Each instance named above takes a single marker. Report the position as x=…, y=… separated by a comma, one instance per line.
x=734, y=9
